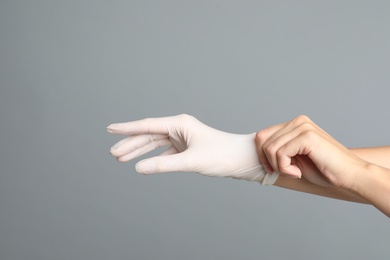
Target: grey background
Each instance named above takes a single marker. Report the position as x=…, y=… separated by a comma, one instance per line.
x=70, y=68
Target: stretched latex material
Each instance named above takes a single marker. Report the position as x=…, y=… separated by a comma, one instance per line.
x=192, y=147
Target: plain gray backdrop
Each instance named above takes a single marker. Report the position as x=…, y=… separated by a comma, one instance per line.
x=70, y=68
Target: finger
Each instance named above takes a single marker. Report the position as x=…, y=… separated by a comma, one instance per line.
x=159, y=164
x=301, y=145
x=261, y=154
x=143, y=150
x=159, y=125
x=272, y=150
x=283, y=134
x=143, y=126
x=169, y=151
x=132, y=143
x=261, y=137
x=310, y=171
x=286, y=127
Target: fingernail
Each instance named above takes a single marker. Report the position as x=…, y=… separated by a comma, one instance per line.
x=111, y=128
x=293, y=176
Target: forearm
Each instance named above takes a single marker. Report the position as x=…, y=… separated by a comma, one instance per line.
x=372, y=183
x=375, y=188
x=300, y=148
x=377, y=155
x=303, y=185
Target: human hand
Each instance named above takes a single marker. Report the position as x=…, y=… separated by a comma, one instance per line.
x=193, y=147
x=301, y=148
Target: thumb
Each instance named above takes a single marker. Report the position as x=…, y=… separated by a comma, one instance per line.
x=159, y=164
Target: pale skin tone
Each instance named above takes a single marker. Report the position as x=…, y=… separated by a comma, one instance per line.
x=299, y=148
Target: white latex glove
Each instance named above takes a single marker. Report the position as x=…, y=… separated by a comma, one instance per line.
x=193, y=147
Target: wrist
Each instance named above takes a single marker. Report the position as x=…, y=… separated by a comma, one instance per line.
x=373, y=185
x=360, y=178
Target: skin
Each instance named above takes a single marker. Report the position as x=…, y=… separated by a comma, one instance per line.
x=312, y=161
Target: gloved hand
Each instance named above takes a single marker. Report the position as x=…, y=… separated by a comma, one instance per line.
x=193, y=147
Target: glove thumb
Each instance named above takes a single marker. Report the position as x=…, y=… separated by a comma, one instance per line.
x=159, y=164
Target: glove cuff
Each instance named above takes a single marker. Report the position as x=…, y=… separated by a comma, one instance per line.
x=270, y=178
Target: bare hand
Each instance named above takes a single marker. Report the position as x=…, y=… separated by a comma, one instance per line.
x=301, y=148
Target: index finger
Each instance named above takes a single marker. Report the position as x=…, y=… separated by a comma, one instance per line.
x=143, y=126
x=261, y=137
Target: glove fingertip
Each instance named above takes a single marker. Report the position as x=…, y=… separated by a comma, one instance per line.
x=143, y=167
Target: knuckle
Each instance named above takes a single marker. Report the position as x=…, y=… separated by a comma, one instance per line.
x=270, y=149
x=260, y=137
x=311, y=135
x=279, y=153
x=147, y=122
x=187, y=119
x=307, y=126
x=301, y=119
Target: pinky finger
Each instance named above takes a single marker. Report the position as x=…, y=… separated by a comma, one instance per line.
x=297, y=146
